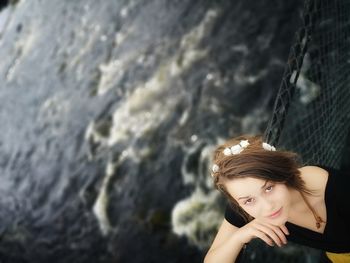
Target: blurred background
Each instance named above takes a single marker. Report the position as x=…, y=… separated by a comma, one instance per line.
x=109, y=113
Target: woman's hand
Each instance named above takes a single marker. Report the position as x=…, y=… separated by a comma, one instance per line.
x=265, y=231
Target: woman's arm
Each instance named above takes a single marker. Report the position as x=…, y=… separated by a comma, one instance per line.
x=226, y=245
x=230, y=239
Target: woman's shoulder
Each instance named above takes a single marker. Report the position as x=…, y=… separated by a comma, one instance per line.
x=314, y=169
x=315, y=177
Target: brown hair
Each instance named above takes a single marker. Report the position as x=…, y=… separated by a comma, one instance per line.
x=278, y=166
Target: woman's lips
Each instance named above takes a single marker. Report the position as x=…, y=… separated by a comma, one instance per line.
x=276, y=214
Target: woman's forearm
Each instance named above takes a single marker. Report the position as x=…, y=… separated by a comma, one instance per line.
x=226, y=253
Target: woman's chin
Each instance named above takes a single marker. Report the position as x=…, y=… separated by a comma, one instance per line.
x=281, y=220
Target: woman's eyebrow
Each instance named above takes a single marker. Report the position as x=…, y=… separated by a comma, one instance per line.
x=244, y=197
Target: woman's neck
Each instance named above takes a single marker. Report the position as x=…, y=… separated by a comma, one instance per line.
x=297, y=205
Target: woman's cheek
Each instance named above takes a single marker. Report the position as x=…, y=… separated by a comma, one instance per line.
x=251, y=211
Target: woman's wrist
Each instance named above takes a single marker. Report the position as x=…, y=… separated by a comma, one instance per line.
x=238, y=238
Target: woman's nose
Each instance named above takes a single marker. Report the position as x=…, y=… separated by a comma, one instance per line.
x=269, y=206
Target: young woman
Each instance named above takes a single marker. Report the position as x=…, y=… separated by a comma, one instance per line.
x=273, y=197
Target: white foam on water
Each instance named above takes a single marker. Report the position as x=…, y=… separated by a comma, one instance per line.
x=23, y=46
x=113, y=70
x=149, y=104
x=88, y=35
x=309, y=90
x=242, y=78
x=101, y=203
x=100, y=206
x=196, y=216
x=145, y=109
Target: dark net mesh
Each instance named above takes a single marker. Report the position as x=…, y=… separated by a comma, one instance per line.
x=311, y=112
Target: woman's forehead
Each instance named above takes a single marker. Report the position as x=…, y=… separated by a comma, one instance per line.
x=245, y=186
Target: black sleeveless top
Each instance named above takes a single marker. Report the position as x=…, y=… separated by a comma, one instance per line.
x=336, y=235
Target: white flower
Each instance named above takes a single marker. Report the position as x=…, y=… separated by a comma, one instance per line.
x=236, y=149
x=268, y=147
x=227, y=151
x=244, y=143
x=215, y=168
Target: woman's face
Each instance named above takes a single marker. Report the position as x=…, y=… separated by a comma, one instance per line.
x=265, y=200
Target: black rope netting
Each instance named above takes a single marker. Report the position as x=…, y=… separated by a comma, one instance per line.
x=311, y=111
x=312, y=108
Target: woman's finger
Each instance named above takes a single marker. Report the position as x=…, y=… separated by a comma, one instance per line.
x=284, y=229
x=278, y=232
x=271, y=233
x=263, y=237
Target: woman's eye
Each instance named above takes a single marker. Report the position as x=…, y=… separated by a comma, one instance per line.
x=248, y=201
x=269, y=188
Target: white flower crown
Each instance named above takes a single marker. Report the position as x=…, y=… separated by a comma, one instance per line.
x=238, y=148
